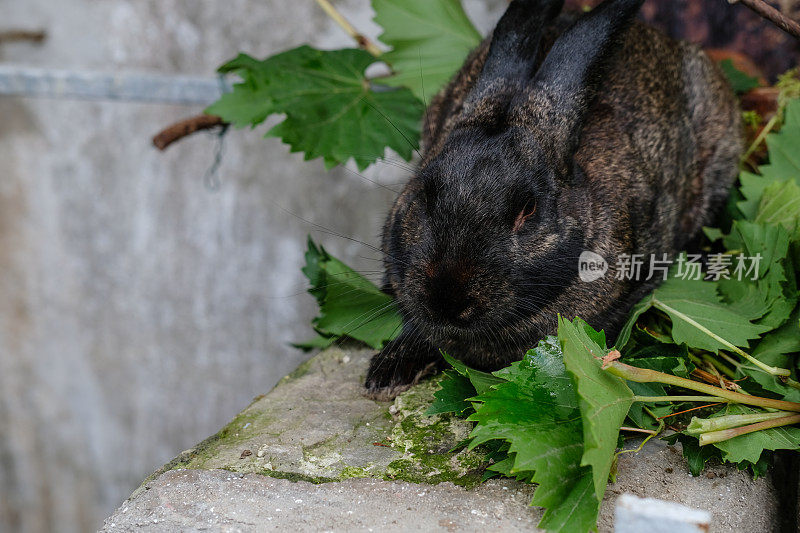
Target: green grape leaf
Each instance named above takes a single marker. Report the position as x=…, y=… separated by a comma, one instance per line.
x=696, y=309
x=429, y=42
x=740, y=82
x=481, y=381
x=784, y=162
x=319, y=342
x=775, y=349
x=451, y=397
x=633, y=315
x=759, y=468
x=604, y=399
x=350, y=305
x=356, y=308
x=780, y=205
x=535, y=409
x=314, y=270
x=332, y=110
x=770, y=298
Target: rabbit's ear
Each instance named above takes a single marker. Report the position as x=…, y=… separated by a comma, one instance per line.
x=564, y=87
x=515, y=40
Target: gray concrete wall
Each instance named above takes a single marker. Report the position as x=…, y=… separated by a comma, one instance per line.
x=140, y=310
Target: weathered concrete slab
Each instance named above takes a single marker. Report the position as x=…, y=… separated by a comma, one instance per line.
x=194, y=500
x=316, y=449
x=315, y=426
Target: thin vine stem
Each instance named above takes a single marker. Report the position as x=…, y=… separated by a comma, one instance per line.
x=725, y=434
x=660, y=428
x=707, y=425
x=763, y=366
x=645, y=375
x=657, y=399
x=360, y=38
x=761, y=136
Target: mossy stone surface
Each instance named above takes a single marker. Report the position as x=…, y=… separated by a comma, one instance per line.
x=315, y=425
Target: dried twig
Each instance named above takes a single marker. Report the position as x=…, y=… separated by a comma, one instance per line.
x=184, y=128
x=360, y=38
x=11, y=36
x=792, y=27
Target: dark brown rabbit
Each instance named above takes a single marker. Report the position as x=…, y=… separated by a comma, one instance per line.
x=560, y=134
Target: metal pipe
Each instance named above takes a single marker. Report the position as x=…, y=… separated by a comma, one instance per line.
x=127, y=87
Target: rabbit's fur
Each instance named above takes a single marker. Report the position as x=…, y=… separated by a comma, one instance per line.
x=559, y=134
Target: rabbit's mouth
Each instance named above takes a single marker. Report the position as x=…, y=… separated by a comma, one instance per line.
x=484, y=330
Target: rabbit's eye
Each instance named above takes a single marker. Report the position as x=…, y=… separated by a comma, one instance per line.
x=526, y=213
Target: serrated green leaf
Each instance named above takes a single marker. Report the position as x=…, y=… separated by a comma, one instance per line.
x=579, y=508
x=770, y=298
x=535, y=409
x=604, y=399
x=429, y=42
x=740, y=82
x=784, y=162
x=331, y=109
x=690, y=303
x=481, y=381
x=776, y=349
x=713, y=234
x=350, y=305
x=315, y=259
x=356, y=308
x=759, y=468
x=633, y=315
x=319, y=342
x=780, y=205
x=750, y=446
x=454, y=389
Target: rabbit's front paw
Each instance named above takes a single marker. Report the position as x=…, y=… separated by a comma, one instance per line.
x=397, y=367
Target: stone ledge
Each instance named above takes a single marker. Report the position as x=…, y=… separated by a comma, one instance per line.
x=339, y=448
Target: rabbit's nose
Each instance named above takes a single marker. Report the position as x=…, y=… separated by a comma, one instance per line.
x=450, y=298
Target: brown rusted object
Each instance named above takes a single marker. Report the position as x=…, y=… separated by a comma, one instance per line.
x=184, y=128
x=715, y=380
x=763, y=100
x=11, y=36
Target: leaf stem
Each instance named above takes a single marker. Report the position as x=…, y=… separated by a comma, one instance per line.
x=761, y=136
x=736, y=364
x=706, y=425
x=766, y=368
x=360, y=38
x=656, y=399
x=645, y=375
x=638, y=430
x=652, y=434
x=725, y=434
x=719, y=366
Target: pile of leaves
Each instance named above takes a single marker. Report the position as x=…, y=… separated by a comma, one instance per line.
x=723, y=351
